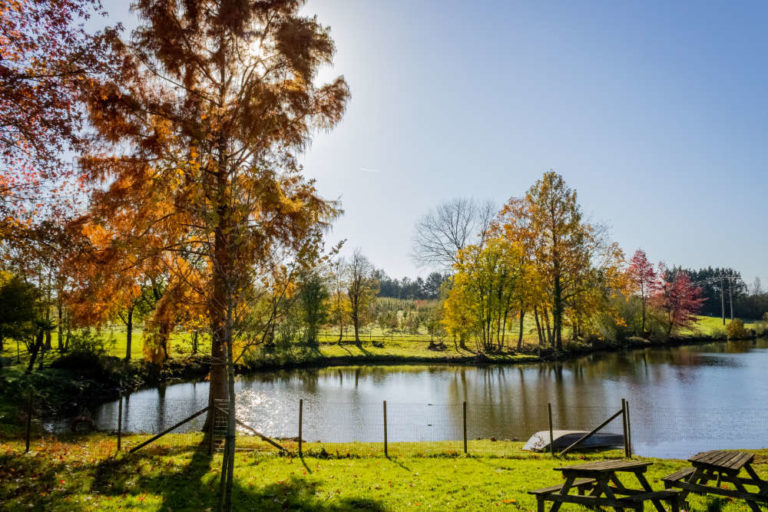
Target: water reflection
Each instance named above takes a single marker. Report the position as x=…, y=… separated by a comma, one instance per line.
x=683, y=399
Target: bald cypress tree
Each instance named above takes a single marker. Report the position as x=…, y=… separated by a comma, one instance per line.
x=198, y=133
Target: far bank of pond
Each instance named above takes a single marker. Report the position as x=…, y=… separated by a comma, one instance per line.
x=683, y=399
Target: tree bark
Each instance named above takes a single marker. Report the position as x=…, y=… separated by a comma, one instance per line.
x=218, y=389
x=538, y=326
x=35, y=349
x=60, y=327
x=520, y=334
x=128, y=333
x=557, y=312
x=547, y=326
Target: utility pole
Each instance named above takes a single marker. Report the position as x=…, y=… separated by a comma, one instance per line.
x=722, y=297
x=730, y=294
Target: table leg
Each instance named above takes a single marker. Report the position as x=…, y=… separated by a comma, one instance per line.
x=759, y=482
x=696, y=477
x=740, y=487
x=617, y=482
x=564, y=490
x=602, y=483
x=643, y=482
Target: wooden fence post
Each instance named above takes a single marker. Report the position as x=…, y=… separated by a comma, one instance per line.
x=624, y=425
x=301, y=414
x=629, y=428
x=386, y=452
x=465, y=427
x=120, y=420
x=551, y=430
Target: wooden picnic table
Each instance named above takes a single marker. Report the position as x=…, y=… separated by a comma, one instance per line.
x=721, y=466
x=599, y=485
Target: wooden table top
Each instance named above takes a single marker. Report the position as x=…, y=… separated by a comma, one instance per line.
x=606, y=466
x=720, y=459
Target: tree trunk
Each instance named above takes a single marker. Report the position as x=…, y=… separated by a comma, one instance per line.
x=547, y=327
x=520, y=334
x=504, y=328
x=35, y=349
x=60, y=327
x=194, y=342
x=228, y=460
x=538, y=326
x=128, y=333
x=218, y=389
x=557, y=313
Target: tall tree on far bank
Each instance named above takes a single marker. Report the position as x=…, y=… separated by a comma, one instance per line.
x=205, y=122
x=362, y=287
x=644, y=280
x=563, y=246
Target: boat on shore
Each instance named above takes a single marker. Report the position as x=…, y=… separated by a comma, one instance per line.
x=539, y=442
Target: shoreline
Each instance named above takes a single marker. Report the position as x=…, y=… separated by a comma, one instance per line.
x=105, y=386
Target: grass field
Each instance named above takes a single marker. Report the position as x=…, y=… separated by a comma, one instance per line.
x=79, y=475
x=389, y=347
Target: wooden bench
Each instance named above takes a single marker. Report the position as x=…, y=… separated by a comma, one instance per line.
x=721, y=467
x=582, y=485
x=677, y=476
x=636, y=501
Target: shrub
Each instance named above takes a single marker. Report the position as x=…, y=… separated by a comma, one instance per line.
x=736, y=329
x=86, y=342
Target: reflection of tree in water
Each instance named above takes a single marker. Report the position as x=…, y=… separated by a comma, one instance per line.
x=160, y=420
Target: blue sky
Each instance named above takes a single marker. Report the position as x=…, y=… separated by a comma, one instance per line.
x=656, y=112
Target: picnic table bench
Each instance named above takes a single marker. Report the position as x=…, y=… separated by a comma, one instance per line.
x=598, y=485
x=721, y=466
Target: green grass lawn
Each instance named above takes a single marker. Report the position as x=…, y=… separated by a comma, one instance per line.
x=80, y=475
x=711, y=325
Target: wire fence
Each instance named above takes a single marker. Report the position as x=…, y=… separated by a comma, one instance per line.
x=321, y=426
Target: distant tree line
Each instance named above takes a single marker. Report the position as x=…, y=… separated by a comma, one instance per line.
x=413, y=289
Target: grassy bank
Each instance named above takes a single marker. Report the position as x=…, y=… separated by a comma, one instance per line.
x=78, y=475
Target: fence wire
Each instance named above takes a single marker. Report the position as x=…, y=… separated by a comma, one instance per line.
x=489, y=429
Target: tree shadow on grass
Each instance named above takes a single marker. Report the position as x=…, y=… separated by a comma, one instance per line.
x=297, y=494
x=29, y=482
x=194, y=487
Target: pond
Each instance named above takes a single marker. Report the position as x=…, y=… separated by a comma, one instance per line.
x=683, y=400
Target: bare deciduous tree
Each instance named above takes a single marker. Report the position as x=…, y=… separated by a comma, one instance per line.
x=362, y=287
x=450, y=227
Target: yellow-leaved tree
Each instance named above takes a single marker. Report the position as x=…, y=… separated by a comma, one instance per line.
x=572, y=268
x=486, y=287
